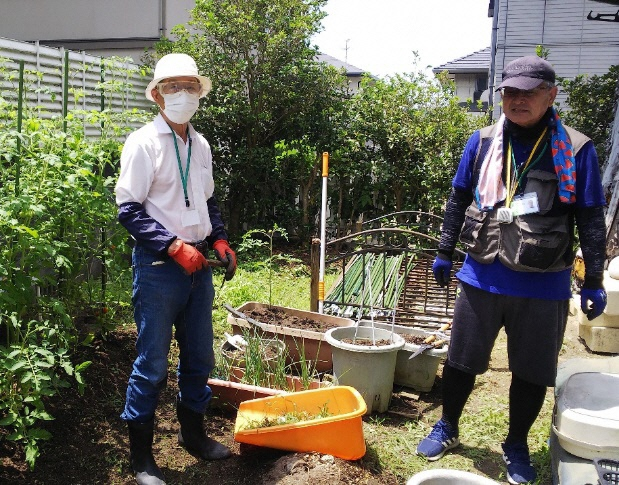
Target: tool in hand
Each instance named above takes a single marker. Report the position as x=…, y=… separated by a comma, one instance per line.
x=431, y=342
x=239, y=314
x=215, y=263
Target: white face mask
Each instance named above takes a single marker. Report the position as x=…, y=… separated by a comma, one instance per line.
x=181, y=106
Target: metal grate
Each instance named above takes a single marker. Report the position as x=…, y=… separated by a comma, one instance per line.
x=367, y=286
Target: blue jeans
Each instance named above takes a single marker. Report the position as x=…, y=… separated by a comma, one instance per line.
x=165, y=297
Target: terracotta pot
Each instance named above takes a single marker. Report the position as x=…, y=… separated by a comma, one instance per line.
x=293, y=383
x=228, y=395
x=316, y=349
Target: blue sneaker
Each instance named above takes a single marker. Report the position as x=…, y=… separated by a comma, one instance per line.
x=519, y=467
x=442, y=438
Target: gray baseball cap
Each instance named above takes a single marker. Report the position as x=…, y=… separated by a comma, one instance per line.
x=527, y=73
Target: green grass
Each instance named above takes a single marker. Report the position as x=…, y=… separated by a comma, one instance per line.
x=290, y=288
x=392, y=445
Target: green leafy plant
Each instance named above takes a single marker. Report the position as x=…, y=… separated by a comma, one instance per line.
x=304, y=367
x=60, y=241
x=30, y=371
x=254, y=244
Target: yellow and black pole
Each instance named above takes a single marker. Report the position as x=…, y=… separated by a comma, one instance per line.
x=323, y=232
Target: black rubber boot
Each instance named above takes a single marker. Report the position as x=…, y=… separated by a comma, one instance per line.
x=141, y=454
x=193, y=437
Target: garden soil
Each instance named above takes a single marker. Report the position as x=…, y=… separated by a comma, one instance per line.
x=89, y=442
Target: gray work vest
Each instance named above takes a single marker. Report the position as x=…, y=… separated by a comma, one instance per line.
x=533, y=242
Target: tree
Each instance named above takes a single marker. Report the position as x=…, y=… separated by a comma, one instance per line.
x=409, y=132
x=591, y=101
x=268, y=89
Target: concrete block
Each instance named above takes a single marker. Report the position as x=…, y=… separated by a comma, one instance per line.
x=600, y=339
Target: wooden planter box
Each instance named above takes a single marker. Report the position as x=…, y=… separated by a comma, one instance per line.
x=316, y=349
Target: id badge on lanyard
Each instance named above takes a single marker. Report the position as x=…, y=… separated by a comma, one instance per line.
x=190, y=218
x=525, y=204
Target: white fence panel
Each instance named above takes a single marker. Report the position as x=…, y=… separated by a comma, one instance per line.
x=94, y=83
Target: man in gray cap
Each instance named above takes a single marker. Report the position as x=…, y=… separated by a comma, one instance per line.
x=521, y=187
x=165, y=197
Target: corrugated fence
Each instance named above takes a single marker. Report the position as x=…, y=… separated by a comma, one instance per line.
x=56, y=81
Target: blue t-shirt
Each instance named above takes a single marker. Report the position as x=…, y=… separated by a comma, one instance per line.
x=497, y=278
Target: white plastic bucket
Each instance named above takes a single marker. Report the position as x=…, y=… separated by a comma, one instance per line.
x=369, y=369
x=445, y=477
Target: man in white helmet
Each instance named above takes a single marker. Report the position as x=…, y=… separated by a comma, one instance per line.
x=165, y=198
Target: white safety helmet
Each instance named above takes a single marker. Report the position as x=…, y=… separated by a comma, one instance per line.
x=175, y=65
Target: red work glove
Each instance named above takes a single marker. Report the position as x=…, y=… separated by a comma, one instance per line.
x=187, y=256
x=226, y=256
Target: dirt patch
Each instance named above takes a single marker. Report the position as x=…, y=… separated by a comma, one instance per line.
x=279, y=317
x=89, y=442
x=90, y=445
x=366, y=342
x=413, y=339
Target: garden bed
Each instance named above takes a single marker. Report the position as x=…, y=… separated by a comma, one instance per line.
x=302, y=331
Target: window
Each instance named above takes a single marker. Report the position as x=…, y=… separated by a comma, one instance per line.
x=481, y=84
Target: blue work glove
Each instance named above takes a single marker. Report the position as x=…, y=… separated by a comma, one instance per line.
x=597, y=299
x=442, y=268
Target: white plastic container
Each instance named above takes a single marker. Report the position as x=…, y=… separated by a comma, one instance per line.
x=568, y=469
x=611, y=285
x=586, y=418
x=367, y=368
x=418, y=373
x=446, y=477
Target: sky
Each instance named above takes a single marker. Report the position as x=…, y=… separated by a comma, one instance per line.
x=380, y=36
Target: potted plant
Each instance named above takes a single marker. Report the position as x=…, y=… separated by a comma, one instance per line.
x=229, y=390
x=365, y=358
x=259, y=371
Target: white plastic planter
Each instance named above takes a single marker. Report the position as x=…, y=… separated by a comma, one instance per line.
x=367, y=368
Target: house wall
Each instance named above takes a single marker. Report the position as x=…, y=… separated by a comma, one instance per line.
x=576, y=44
x=465, y=86
x=109, y=27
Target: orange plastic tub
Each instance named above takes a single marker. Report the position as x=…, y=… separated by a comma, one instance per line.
x=339, y=434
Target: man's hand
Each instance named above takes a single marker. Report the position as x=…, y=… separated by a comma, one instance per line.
x=597, y=299
x=442, y=268
x=226, y=256
x=187, y=256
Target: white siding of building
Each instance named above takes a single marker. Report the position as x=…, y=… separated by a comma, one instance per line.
x=576, y=45
x=100, y=27
x=465, y=86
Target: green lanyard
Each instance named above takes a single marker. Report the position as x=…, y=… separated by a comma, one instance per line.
x=514, y=181
x=185, y=175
